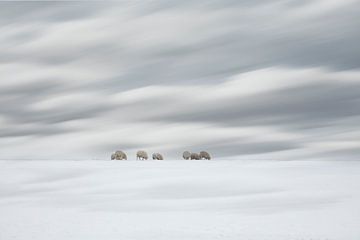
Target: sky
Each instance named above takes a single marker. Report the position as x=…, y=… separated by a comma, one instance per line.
x=277, y=80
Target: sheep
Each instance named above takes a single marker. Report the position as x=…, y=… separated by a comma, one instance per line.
x=119, y=155
x=157, y=156
x=141, y=155
x=186, y=155
x=204, y=155
x=195, y=156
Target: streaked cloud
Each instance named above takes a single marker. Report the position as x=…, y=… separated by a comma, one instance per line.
x=249, y=79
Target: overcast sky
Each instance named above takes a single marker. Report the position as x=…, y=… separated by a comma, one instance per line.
x=241, y=79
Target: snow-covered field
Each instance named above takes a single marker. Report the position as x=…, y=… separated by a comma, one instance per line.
x=259, y=200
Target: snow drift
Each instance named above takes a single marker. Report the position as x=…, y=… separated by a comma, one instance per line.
x=257, y=200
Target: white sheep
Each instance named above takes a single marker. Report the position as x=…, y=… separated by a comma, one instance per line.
x=119, y=155
x=141, y=155
x=195, y=156
x=157, y=156
x=186, y=155
x=204, y=155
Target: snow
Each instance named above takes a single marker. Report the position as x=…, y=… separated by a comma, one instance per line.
x=252, y=200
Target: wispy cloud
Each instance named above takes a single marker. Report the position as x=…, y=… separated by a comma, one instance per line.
x=252, y=79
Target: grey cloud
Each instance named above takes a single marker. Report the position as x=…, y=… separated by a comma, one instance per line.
x=16, y=107
x=317, y=111
x=37, y=88
x=342, y=155
x=135, y=45
x=54, y=11
x=39, y=131
x=256, y=41
x=64, y=114
x=231, y=43
x=306, y=106
x=21, y=112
